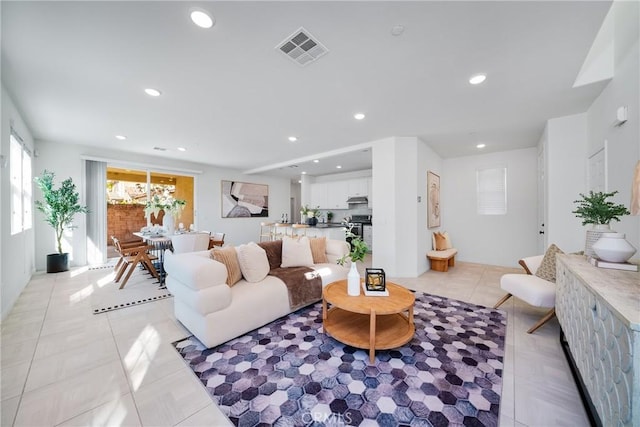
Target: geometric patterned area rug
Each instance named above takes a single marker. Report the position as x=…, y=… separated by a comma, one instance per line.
x=141, y=288
x=290, y=373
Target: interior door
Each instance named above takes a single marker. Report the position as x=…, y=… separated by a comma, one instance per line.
x=542, y=239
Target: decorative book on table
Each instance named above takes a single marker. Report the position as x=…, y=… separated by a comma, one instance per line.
x=627, y=266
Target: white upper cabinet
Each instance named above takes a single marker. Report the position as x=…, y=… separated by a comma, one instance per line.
x=319, y=195
x=337, y=195
x=357, y=187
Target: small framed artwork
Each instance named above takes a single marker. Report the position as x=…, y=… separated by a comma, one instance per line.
x=433, y=200
x=244, y=200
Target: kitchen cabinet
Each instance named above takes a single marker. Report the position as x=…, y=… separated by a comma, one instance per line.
x=319, y=195
x=369, y=193
x=337, y=195
x=357, y=187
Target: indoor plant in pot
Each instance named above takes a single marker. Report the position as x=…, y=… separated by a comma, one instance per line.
x=358, y=252
x=59, y=207
x=595, y=209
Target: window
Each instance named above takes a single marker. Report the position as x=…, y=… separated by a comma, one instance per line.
x=21, y=193
x=492, y=191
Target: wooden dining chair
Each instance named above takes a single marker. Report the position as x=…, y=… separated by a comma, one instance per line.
x=217, y=239
x=130, y=257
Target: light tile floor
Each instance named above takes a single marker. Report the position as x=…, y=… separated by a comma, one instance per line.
x=63, y=365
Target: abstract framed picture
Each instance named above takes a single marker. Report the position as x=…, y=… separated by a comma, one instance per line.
x=433, y=200
x=244, y=200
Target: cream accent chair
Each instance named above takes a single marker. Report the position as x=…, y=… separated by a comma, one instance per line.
x=531, y=289
x=190, y=242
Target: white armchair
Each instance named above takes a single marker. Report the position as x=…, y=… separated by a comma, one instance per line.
x=531, y=289
x=190, y=242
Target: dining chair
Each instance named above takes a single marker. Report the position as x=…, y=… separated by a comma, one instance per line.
x=217, y=239
x=190, y=242
x=130, y=257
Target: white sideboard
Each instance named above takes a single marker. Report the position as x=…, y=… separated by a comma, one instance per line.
x=599, y=312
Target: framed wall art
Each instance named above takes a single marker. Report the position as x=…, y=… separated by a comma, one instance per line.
x=244, y=200
x=433, y=200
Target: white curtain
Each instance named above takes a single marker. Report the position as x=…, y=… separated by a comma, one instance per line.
x=96, y=189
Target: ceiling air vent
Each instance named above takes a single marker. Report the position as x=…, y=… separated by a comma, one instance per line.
x=302, y=48
x=159, y=148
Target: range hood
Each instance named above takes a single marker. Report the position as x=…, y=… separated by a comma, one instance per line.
x=357, y=200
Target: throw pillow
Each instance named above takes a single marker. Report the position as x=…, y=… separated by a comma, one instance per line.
x=547, y=269
x=229, y=258
x=253, y=262
x=440, y=241
x=296, y=252
x=447, y=240
x=319, y=250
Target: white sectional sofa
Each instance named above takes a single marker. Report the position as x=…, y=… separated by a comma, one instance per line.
x=216, y=312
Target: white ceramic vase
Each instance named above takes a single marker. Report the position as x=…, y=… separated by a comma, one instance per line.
x=353, y=281
x=593, y=236
x=168, y=223
x=613, y=247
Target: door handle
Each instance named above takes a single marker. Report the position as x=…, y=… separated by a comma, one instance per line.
x=540, y=232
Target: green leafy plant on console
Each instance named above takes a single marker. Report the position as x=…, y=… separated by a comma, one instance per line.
x=594, y=208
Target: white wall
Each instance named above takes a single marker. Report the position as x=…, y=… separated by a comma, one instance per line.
x=400, y=236
x=65, y=161
x=623, y=90
x=566, y=154
x=491, y=239
x=428, y=160
x=17, y=252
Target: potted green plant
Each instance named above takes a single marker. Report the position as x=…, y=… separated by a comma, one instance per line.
x=358, y=251
x=59, y=206
x=595, y=209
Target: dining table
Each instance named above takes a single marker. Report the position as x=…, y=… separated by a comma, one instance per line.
x=159, y=243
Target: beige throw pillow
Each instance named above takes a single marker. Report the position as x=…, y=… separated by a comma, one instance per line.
x=253, y=262
x=229, y=258
x=547, y=269
x=440, y=241
x=296, y=252
x=319, y=250
x=447, y=240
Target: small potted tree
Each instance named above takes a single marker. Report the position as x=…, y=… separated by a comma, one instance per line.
x=59, y=206
x=595, y=209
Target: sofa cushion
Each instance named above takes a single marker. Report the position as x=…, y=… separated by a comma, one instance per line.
x=253, y=262
x=274, y=252
x=319, y=249
x=296, y=252
x=229, y=258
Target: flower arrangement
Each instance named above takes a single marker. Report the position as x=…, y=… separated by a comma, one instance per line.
x=595, y=209
x=166, y=203
x=309, y=212
x=358, y=247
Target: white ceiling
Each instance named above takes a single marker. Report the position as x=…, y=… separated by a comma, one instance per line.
x=77, y=71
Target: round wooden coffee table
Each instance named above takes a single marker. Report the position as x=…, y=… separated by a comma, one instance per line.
x=374, y=323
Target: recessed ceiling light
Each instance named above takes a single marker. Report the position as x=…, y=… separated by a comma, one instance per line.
x=303, y=173
x=293, y=139
x=201, y=18
x=182, y=149
x=152, y=92
x=338, y=167
x=299, y=181
x=481, y=145
x=121, y=137
x=316, y=161
x=396, y=30
x=358, y=116
x=477, y=79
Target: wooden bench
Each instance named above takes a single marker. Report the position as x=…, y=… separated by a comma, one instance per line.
x=442, y=260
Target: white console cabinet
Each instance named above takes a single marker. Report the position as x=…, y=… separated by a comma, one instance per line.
x=599, y=312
